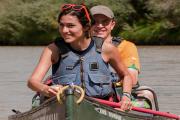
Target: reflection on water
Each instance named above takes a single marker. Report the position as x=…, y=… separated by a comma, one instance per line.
x=160, y=70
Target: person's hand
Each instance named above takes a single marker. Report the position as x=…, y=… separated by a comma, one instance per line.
x=51, y=91
x=126, y=104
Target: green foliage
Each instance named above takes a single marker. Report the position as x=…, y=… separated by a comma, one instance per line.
x=33, y=22
x=155, y=33
x=159, y=24
x=165, y=9
x=25, y=22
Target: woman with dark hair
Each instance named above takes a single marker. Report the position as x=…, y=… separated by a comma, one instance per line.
x=78, y=59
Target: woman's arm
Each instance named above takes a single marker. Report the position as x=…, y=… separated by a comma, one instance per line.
x=110, y=54
x=48, y=57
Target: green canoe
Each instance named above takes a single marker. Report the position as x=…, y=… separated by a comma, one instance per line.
x=88, y=109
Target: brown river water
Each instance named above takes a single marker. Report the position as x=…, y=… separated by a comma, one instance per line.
x=160, y=69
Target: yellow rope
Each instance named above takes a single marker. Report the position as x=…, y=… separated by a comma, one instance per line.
x=118, y=84
x=82, y=94
x=60, y=93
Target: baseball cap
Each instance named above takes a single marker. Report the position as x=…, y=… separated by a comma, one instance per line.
x=101, y=9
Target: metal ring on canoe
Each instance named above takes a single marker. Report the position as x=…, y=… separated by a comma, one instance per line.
x=61, y=92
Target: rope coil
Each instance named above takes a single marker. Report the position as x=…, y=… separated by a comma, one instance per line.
x=60, y=93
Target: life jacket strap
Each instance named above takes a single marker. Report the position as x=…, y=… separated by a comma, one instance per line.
x=116, y=41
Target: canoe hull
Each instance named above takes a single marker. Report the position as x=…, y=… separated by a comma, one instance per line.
x=88, y=109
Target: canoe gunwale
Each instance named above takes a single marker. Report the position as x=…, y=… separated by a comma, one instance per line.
x=92, y=102
x=129, y=114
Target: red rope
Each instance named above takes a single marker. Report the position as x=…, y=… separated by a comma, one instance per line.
x=164, y=114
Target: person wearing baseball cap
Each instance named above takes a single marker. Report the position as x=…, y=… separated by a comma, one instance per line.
x=103, y=10
x=104, y=24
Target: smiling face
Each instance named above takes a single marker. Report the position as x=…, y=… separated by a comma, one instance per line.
x=70, y=28
x=103, y=26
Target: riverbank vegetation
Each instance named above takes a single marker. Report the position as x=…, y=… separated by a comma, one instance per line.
x=144, y=22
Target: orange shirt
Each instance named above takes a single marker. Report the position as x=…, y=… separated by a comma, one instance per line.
x=129, y=54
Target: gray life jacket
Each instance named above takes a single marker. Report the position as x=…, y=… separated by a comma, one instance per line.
x=89, y=70
x=116, y=41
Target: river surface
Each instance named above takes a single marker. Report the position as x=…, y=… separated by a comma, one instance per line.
x=160, y=69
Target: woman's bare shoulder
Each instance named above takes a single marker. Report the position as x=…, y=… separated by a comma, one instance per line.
x=108, y=47
x=52, y=51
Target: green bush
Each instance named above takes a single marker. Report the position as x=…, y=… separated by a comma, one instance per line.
x=28, y=22
x=33, y=22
